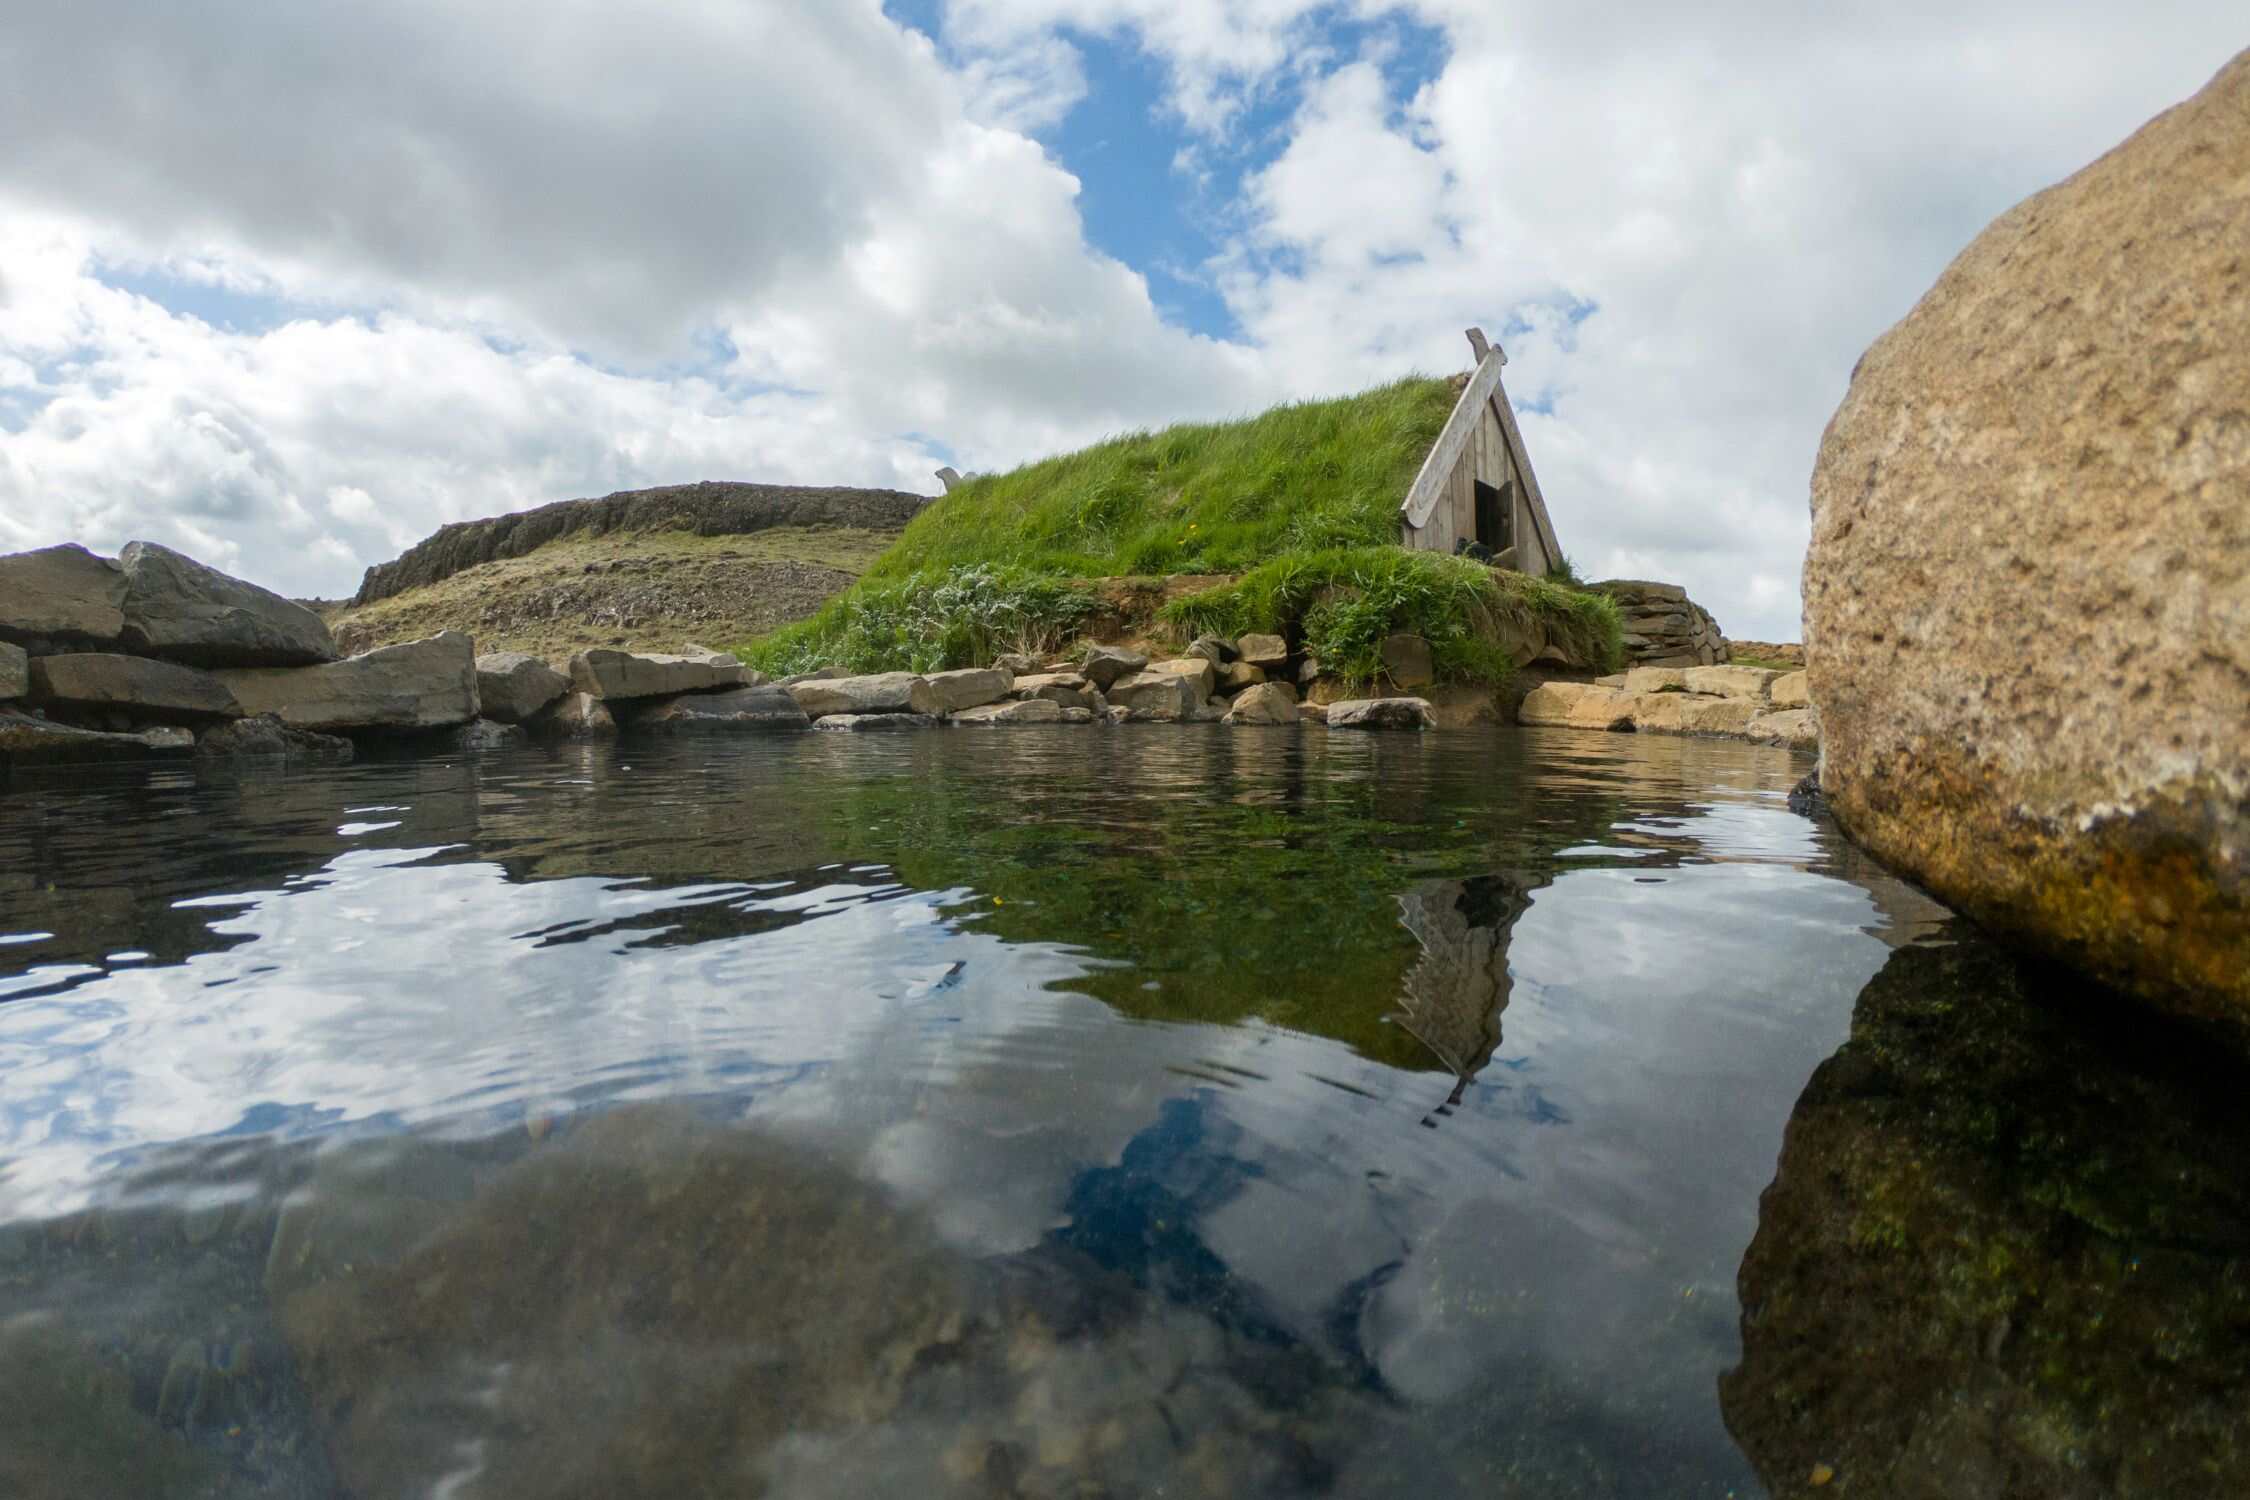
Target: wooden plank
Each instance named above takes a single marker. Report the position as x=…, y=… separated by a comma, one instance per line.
x=1436, y=474
x=1544, y=527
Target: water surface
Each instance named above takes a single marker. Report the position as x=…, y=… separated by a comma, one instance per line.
x=1016, y=1113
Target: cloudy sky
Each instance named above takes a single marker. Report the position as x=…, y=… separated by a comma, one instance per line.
x=288, y=283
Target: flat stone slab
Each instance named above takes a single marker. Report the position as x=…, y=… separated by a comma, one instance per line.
x=513, y=687
x=424, y=684
x=1791, y=691
x=608, y=673
x=177, y=608
x=876, y=723
x=970, y=687
x=64, y=595
x=879, y=693
x=1380, y=713
x=28, y=741
x=15, y=672
x=1022, y=711
x=1269, y=652
x=769, y=709
x=1754, y=683
x=1577, y=705
x=140, y=685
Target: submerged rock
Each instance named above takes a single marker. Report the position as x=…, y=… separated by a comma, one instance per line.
x=650, y=1303
x=1022, y=711
x=1380, y=713
x=2027, y=599
x=25, y=740
x=877, y=723
x=2003, y=1253
x=267, y=736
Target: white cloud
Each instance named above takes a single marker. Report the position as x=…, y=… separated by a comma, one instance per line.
x=499, y=244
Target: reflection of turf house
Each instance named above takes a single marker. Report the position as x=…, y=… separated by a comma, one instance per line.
x=1476, y=492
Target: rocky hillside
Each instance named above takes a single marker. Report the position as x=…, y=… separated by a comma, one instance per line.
x=658, y=568
x=706, y=509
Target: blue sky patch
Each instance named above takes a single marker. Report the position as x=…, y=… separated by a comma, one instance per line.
x=1165, y=200
x=221, y=307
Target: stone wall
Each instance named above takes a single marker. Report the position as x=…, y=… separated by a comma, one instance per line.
x=1663, y=626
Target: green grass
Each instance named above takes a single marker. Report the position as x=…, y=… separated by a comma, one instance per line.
x=1211, y=497
x=1341, y=602
x=1303, y=499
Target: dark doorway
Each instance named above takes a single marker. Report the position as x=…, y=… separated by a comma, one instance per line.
x=1496, y=513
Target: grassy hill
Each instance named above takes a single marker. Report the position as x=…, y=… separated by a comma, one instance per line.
x=650, y=590
x=1298, y=507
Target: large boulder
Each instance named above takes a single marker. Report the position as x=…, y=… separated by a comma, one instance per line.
x=424, y=684
x=1165, y=689
x=878, y=693
x=178, y=608
x=1264, y=703
x=1063, y=689
x=608, y=673
x=62, y=596
x=2027, y=599
x=1576, y=705
x=767, y=708
x=513, y=687
x=15, y=672
x=139, y=685
x=970, y=687
x=1105, y=664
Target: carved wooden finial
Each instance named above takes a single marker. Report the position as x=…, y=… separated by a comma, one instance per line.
x=949, y=477
x=1480, y=346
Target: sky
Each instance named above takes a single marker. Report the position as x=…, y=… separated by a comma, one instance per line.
x=287, y=284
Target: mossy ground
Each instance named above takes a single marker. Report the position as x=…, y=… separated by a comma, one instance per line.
x=1303, y=499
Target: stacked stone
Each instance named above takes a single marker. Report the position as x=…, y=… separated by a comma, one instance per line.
x=1750, y=703
x=1664, y=627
